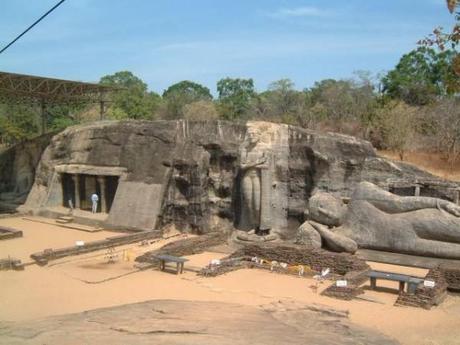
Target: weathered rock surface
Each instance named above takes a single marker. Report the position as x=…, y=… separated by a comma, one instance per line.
x=424, y=226
x=307, y=235
x=194, y=170
x=326, y=209
x=334, y=241
x=184, y=322
x=17, y=171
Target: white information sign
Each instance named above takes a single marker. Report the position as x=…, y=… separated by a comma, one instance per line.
x=429, y=283
x=341, y=283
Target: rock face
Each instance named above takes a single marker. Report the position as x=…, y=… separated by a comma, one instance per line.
x=307, y=235
x=185, y=322
x=204, y=176
x=17, y=171
x=335, y=241
x=326, y=209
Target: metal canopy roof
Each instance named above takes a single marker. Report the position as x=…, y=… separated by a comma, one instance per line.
x=49, y=90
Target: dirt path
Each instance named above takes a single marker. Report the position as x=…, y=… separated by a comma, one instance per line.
x=88, y=282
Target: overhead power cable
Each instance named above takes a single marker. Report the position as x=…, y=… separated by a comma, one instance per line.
x=30, y=27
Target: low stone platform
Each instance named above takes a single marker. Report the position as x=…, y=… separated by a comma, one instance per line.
x=189, y=246
x=11, y=264
x=73, y=226
x=43, y=257
x=80, y=216
x=8, y=233
x=317, y=259
x=404, y=259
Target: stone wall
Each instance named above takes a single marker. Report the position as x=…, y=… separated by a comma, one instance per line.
x=43, y=257
x=188, y=246
x=426, y=297
x=451, y=274
x=8, y=233
x=317, y=259
x=445, y=276
x=17, y=171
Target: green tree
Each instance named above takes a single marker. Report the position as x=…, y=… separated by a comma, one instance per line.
x=282, y=103
x=181, y=94
x=335, y=96
x=421, y=76
x=18, y=122
x=283, y=96
x=343, y=101
x=133, y=100
x=235, y=97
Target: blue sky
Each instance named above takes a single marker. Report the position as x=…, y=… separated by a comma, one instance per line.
x=166, y=41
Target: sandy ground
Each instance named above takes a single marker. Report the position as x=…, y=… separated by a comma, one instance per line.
x=76, y=284
x=38, y=236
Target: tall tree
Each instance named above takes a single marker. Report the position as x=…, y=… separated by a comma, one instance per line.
x=283, y=96
x=421, y=75
x=235, y=97
x=133, y=101
x=343, y=99
x=281, y=102
x=181, y=94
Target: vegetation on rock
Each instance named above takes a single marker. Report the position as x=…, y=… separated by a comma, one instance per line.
x=413, y=106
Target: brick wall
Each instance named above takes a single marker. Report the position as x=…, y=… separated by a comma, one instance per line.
x=317, y=259
x=426, y=297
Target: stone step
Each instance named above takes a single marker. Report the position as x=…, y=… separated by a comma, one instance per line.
x=64, y=219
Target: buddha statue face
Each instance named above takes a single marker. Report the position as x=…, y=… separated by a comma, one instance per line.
x=252, y=135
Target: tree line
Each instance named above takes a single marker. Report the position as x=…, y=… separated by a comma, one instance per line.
x=416, y=105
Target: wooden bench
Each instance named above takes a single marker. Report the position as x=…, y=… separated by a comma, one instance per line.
x=170, y=258
x=412, y=282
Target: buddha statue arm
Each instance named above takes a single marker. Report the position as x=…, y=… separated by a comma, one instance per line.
x=392, y=203
x=258, y=163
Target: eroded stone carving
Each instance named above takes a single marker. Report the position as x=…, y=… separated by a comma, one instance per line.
x=254, y=176
x=308, y=236
x=377, y=219
x=326, y=209
x=190, y=172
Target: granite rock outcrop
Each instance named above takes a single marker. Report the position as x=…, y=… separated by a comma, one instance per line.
x=192, y=174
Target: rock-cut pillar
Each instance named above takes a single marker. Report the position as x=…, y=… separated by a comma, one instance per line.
x=101, y=180
x=76, y=181
x=265, y=195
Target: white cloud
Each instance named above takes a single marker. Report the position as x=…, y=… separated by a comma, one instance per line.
x=306, y=11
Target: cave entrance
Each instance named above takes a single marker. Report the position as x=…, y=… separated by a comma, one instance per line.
x=68, y=190
x=78, y=188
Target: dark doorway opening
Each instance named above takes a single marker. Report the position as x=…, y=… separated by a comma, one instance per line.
x=89, y=185
x=68, y=190
x=111, y=185
x=104, y=186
